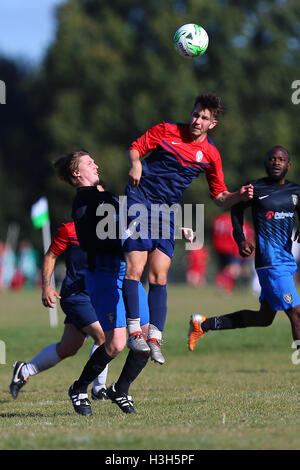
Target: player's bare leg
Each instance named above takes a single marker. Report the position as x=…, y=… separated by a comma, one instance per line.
x=294, y=316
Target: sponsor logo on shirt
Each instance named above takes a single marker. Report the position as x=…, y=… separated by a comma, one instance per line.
x=269, y=215
x=278, y=215
x=283, y=215
x=199, y=156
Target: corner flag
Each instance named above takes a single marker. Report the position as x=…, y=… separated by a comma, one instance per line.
x=40, y=213
x=40, y=219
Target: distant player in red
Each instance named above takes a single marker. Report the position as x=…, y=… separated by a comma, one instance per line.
x=179, y=153
x=230, y=262
x=197, y=266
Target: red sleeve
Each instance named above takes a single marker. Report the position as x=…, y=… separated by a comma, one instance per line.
x=150, y=140
x=60, y=240
x=215, y=176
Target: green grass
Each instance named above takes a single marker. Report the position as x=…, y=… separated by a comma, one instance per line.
x=237, y=390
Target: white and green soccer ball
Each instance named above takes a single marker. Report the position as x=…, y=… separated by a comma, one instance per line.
x=191, y=40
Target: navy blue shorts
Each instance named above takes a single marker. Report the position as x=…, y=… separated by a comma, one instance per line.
x=148, y=230
x=78, y=310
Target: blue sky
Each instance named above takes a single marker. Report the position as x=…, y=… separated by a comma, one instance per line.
x=27, y=27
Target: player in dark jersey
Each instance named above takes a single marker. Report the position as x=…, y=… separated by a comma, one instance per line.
x=275, y=202
x=179, y=153
x=104, y=277
x=81, y=319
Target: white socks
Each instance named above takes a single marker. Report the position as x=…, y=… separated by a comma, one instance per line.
x=100, y=381
x=47, y=358
x=154, y=332
x=133, y=325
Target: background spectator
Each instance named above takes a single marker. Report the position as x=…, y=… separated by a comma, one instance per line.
x=197, y=266
x=231, y=265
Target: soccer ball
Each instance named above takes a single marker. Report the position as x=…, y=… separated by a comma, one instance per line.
x=191, y=40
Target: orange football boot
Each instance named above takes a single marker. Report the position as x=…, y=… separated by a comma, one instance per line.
x=195, y=331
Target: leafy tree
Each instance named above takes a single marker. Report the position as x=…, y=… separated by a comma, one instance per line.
x=113, y=72
x=22, y=157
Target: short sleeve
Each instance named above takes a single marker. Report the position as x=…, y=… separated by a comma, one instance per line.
x=60, y=240
x=149, y=140
x=215, y=176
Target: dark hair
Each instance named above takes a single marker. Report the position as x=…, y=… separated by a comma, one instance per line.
x=210, y=101
x=277, y=147
x=67, y=164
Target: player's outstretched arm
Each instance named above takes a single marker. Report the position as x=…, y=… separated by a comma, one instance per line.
x=48, y=293
x=227, y=199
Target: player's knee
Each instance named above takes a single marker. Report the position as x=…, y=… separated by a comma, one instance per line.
x=134, y=274
x=267, y=321
x=98, y=339
x=65, y=351
x=294, y=315
x=266, y=315
x=157, y=278
x=134, y=270
x=115, y=347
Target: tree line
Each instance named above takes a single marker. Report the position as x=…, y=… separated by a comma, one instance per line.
x=112, y=71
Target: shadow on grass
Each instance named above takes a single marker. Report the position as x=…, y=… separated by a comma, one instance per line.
x=34, y=415
x=5, y=401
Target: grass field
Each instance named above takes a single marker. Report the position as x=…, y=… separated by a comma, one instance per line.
x=237, y=390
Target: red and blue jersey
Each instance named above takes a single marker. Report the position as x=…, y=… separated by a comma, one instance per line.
x=174, y=162
x=65, y=241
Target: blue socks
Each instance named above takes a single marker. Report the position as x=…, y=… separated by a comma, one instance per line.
x=131, y=298
x=157, y=301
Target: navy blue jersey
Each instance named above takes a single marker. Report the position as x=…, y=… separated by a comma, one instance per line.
x=174, y=162
x=65, y=241
x=108, y=250
x=273, y=211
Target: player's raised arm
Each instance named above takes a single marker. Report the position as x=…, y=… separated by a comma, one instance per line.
x=227, y=199
x=48, y=293
x=140, y=147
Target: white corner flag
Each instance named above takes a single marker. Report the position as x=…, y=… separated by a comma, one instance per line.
x=40, y=219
